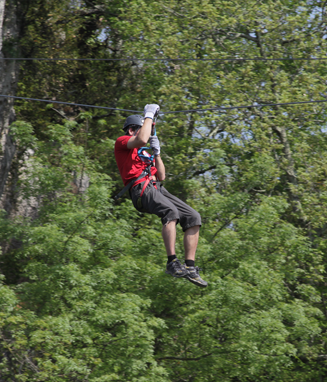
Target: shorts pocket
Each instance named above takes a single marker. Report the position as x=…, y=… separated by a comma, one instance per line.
x=139, y=204
x=137, y=199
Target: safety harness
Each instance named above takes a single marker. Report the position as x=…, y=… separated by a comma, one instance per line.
x=146, y=174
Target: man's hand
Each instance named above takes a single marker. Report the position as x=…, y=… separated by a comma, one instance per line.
x=151, y=110
x=154, y=144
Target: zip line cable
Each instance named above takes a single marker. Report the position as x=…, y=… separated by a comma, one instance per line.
x=171, y=112
x=69, y=103
x=166, y=59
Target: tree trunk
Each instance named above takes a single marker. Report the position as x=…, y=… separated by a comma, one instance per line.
x=8, y=82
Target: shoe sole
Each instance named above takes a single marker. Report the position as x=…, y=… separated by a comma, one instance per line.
x=177, y=276
x=196, y=282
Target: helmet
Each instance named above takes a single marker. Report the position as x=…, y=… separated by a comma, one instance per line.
x=133, y=120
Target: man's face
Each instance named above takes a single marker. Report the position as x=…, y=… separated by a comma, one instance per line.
x=134, y=132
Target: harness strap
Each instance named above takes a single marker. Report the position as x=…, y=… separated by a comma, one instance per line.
x=145, y=173
x=148, y=180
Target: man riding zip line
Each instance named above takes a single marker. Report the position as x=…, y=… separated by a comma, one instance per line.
x=143, y=173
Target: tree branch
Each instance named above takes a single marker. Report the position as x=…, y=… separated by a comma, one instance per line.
x=185, y=359
x=199, y=172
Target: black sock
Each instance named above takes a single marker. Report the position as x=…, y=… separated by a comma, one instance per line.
x=189, y=263
x=171, y=258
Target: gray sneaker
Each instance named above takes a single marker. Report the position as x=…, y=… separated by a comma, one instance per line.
x=176, y=269
x=194, y=277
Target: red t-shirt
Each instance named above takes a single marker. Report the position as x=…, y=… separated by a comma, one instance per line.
x=129, y=163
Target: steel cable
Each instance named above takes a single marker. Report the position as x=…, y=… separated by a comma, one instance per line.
x=218, y=108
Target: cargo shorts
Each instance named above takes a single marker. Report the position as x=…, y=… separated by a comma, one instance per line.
x=160, y=202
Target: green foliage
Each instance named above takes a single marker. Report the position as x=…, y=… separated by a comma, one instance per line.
x=22, y=132
x=84, y=295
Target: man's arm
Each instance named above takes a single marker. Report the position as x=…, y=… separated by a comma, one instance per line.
x=155, y=146
x=142, y=136
x=141, y=139
x=160, y=168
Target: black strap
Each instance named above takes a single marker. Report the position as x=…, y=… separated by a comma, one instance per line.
x=146, y=172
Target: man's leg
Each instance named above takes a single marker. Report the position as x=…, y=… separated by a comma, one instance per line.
x=169, y=237
x=154, y=202
x=190, y=220
x=191, y=238
x=174, y=266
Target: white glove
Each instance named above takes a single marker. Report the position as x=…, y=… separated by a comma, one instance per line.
x=154, y=144
x=151, y=110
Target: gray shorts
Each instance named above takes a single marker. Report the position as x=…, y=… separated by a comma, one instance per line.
x=165, y=205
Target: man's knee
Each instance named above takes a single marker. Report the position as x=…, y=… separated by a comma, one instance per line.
x=193, y=228
x=192, y=220
x=197, y=218
x=170, y=216
x=172, y=222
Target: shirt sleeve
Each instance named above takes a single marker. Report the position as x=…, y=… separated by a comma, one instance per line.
x=121, y=143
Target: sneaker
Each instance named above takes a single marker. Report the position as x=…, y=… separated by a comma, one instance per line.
x=194, y=277
x=176, y=269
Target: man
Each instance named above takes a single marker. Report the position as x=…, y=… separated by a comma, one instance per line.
x=144, y=173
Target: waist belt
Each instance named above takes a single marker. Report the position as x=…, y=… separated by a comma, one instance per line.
x=145, y=173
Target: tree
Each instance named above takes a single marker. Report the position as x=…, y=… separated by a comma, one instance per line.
x=9, y=32
x=92, y=302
